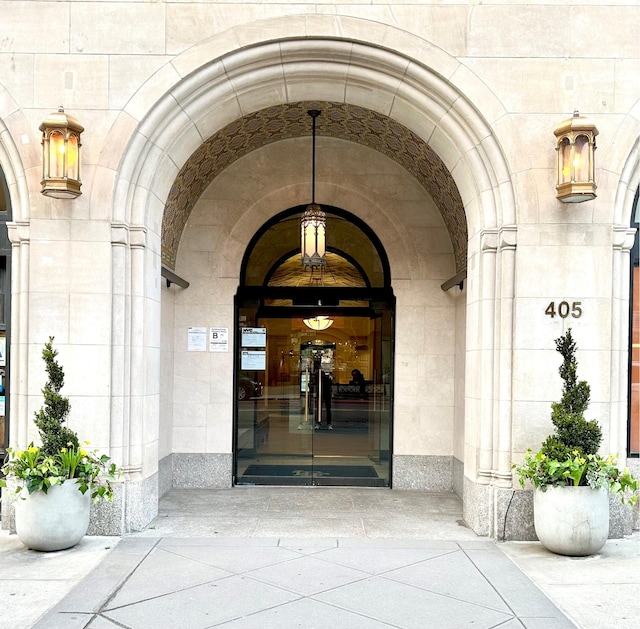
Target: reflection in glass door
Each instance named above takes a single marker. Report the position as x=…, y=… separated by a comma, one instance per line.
x=314, y=405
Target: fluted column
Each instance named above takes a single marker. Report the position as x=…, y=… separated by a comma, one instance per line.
x=484, y=367
x=494, y=370
x=120, y=322
x=623, y=239
x=20, y=244
x=503, y=423
x=137, y=239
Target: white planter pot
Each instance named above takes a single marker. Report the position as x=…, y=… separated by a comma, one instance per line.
x=53, y=521
x=572, y=520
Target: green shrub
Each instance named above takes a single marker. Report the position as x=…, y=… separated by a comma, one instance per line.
x=51, y=417
x=570, y=456
x=572, y=431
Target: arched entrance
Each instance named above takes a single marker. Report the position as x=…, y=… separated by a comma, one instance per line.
x=402, y=239
x=314, y=358
x=445, y=435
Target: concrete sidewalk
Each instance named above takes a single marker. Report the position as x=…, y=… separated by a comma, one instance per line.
x=264, y=583
x=314, y=557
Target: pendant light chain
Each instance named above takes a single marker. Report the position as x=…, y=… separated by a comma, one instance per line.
x=313, y=221
x=314, y=113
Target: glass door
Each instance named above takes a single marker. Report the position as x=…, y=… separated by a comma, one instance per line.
x=314, y=397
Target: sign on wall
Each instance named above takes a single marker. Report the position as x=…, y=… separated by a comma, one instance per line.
x=196, y=339
x=218, y=339
x=254, y=337
x=253, y=360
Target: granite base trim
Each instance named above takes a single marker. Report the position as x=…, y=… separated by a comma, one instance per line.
x=165, y=475
x=134, y=505
x=425, y=473
x=8, y=512
x=477, y=507
x=142, y=500
x=107, y=518
x=514, y=515
x=458, y=477
x=202, y=471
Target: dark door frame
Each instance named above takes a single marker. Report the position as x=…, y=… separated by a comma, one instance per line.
x=310, y=302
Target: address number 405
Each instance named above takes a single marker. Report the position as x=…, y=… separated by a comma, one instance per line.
x=564, y=309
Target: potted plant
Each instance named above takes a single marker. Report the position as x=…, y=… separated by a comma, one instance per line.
x=56, y=481
x=571, y=479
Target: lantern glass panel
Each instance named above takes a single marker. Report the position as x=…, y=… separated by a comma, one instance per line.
x=56, y=154
x=320, y=231
x=308, y=239
x=581, y=158
x=72, y=157
x=565, y=160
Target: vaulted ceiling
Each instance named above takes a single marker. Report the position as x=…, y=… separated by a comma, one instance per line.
x=338, y=120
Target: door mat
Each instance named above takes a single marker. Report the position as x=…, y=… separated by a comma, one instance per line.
x=326, y=471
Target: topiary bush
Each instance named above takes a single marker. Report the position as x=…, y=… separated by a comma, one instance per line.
x=51, y=417
x=570, y=456
x=573, y=433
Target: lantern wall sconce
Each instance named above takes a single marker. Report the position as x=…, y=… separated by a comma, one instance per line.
x=61, y=156
x=576, y=145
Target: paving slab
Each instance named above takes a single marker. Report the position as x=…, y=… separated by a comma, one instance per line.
x=307, y=613
x=201, y=606
x=238, y=583
x=31, y=581
x=411, y=607
x=598, y=592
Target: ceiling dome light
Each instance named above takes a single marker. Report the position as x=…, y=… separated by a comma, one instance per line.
x=319, y=323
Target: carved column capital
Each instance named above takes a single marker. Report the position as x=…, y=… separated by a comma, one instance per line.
x=18, y=232
x=623, y=237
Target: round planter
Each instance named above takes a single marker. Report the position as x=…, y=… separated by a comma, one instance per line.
x=571, y=520
x=53, y=521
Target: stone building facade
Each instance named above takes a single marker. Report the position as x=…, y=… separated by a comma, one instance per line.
x=435, y=140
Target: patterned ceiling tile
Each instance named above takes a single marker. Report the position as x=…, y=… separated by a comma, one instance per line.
x=339, y=120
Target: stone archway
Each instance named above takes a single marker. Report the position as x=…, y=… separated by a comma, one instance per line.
x=385, y=82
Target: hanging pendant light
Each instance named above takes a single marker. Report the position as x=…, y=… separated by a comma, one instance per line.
x=319, y=322
x=313, y=221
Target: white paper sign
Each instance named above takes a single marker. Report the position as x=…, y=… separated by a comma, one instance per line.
x=254, y=337
x=196, y=339
x=218, y=339
x=252, y=360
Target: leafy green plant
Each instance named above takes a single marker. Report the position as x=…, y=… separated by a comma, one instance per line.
x=570, y=455
x=37, y=471
x=61, y=457
x=590, y=470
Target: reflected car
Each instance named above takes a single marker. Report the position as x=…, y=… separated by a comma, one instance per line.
x=248, y=388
